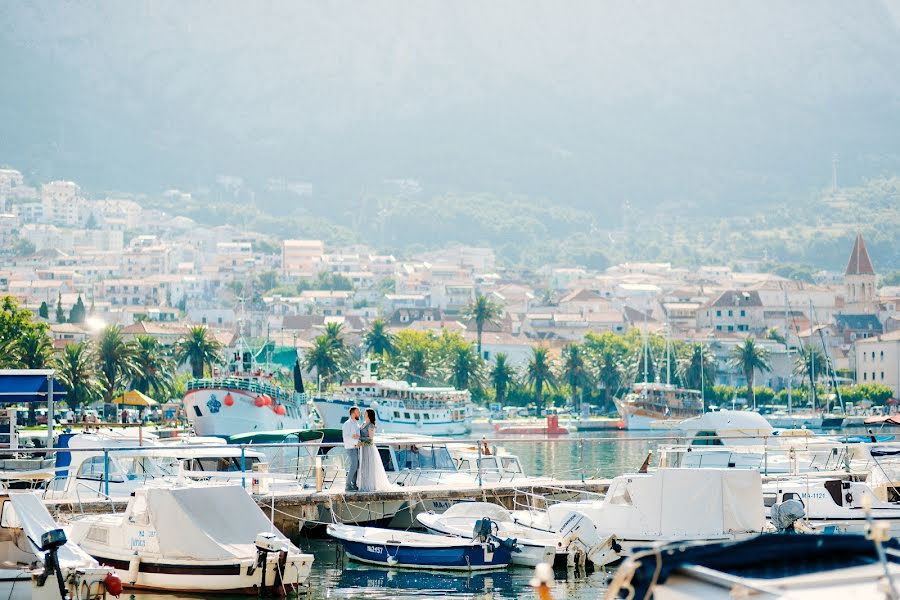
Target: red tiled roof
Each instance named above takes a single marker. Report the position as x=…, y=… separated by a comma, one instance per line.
x=860, y=263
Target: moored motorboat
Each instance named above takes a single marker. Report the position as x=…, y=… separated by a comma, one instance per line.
x=38, y=562
x=210, y=538
x=409, y=550
x=565, y=548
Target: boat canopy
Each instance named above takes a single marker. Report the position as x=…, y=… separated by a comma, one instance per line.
x=686, y=503
x=728, y=423
x=276, y=437
x=213, y=522
x=32, y=516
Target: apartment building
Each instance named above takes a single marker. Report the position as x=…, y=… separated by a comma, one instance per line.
x=878, y=360
x=301, y=258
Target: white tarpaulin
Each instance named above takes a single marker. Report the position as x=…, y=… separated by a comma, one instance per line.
x=32, y=515
x=207, y=522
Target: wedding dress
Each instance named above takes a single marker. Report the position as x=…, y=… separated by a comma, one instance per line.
x=371, y=476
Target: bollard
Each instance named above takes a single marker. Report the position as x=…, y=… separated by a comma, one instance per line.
x=320, y=475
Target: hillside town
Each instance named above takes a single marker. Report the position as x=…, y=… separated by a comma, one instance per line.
x=80, y=264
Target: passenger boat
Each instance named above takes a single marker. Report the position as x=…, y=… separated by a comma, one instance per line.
x=767, y=567
x=244, y=398
x=650, y=402
x=38, y=562
x=566, y=548
x=211, y=538
x=400, y=407
x=409, y=550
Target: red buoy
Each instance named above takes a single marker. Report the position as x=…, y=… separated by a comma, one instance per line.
x=280, y=410
x=228, y=400
x=260, y=401
x=113, y=585
x=267, y=400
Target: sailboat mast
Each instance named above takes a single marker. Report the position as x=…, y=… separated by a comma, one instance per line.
x=668, y=355
x=812, y=360
x=787, y=347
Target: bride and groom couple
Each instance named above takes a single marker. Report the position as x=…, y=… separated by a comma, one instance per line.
x=365, y=472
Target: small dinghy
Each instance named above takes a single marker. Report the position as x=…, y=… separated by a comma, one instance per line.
x=208, y=538
x=38, y=562
x=408, y=550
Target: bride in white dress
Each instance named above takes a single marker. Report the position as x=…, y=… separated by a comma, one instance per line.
x=371, y=477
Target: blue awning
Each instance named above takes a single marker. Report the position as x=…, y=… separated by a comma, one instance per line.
x=28, y=386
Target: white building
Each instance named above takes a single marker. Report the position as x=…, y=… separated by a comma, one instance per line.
x=63, y=203
x=301, y=258
x=878, y=360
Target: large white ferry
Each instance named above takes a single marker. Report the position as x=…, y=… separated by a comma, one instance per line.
x=649, y=402
x=244, y=399
x=400, y=407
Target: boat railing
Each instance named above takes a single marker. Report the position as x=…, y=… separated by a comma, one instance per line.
x=819, y=455
x=244, y=384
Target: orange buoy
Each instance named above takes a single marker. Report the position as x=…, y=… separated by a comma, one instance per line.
x=260, y=401
x=228, y=400
x=280, y=410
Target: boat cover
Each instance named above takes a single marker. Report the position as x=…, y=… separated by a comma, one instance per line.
x=35, y=521
x=207, y=522
x=690, y=503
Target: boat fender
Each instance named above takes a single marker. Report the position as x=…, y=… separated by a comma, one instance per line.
x=113, y=585
x=134, y=567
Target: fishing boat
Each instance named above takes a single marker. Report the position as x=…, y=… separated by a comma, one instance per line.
x=767, y=567
x=39, y=562
x=400, y=407
x=410, y=550
x=573, y=545
x=244, y=397
x=209, y=538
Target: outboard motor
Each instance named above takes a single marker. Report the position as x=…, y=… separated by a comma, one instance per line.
x=268, y=543
x=784, y=515
x=584, y=542
x=51, y=542
x=485, y=530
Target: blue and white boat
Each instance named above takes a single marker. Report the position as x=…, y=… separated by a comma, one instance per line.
x=408, y=550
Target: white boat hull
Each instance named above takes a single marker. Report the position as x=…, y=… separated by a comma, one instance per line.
x=210, y=416
x=334, y=412
x=21, y=584
x=188, y=576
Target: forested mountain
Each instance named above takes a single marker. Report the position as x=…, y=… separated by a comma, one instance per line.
x=513, y=120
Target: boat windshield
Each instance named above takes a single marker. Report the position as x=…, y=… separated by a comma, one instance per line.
x=426, y=457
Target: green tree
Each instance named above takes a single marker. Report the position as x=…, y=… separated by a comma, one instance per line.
x=539, y=374
x=483, y=311
x=78, y=312
x=335, y=334
x=810, y=364
x=324, y=358
x=749, y=358
x=116, y=361
x=75, y=370
x=154, y=368
x=44, y=311
x=574, y=371
x=697, y=367
x=35, y=351
x=60, y=313
x=609, y=374
x=198, y=348
x=502, y=375
x=465, y=368
x=378, y=339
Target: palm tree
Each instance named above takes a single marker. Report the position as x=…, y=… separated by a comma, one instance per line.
x=539, y=374
x=323, y=357
x=502, y=374
x=811, y=363
x=418, y=364
x=483, y=311
x=465, y=368
x=573, y=371
x=335, y=334
x=34, y=351
x=379, y=341
x=749, y=358
x=75, y=370
x=199, y=348
x=10, y=354
x=154, y=373
x=697, y=368
x=116, y=361
x=609, y=374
